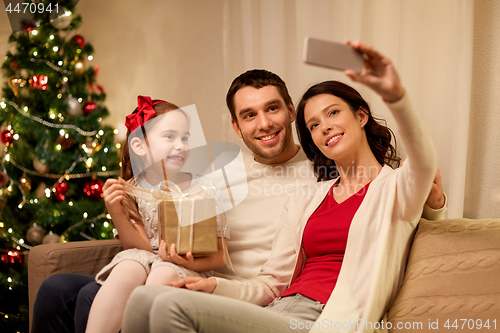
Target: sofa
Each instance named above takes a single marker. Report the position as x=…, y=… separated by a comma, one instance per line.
x=451, y=283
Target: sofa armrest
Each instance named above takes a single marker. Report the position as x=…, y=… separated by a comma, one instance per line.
x=86, y=257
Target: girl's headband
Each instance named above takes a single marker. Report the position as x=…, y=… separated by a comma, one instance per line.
x=143, y=113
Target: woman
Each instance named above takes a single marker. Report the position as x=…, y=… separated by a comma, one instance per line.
x=369, y=237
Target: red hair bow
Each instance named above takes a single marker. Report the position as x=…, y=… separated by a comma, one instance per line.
x=143, y=114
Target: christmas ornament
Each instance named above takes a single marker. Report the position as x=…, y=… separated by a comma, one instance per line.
x=79, y=67
x=29, y=27
x=50, y=238
x=15, y=83
x=40, y=191
x=79, y=40
x=7, y=136
x=74, y=106
x=97, y=85
x=61, y=189
x=39, y=82
x=89, y=107
x=40, y=165
x=90, y=146
x=14, y=65
x=65, y=141
x=93, y=189
x=4, y=179
x=24, y=73
x=25, y=182
x=61, y=21
x=12, y=256
x=35, y=234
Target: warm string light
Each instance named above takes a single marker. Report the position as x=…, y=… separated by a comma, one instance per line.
x=51, y=65
x=66, y=176
x=60, y=178
x=49, y=124
x=85, y=220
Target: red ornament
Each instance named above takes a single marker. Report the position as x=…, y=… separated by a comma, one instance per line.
x=61, y=189
x=39, y=81
x=79, y=40
x=12, y=257
x=97, y=85
x=14, y=65
x=29, y=27
x=93, y=190
x=89, y=107
x=7, y=137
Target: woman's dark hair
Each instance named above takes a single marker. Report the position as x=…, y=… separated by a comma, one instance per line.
x=379, y=136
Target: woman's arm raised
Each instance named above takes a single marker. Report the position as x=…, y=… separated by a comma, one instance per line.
x=420, y=168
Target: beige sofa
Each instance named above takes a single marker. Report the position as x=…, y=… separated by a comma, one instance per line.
x=452, y=277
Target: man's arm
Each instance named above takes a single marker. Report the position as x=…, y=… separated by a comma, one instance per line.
x=435, y=207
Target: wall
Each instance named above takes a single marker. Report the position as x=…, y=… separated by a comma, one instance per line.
x=189, y=51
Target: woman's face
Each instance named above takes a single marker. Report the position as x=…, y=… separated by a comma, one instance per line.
x=334, y=128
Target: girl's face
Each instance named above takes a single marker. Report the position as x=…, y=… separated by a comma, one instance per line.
x=334, y=128
x=168, y=141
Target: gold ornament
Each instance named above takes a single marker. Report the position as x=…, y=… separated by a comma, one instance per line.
x=14, y=84
x=40, y=191
x=40, y=166
x=90, y=146
x=79, y=67
x=35, y=234
x=50, y=238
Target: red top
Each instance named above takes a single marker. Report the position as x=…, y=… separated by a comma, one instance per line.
x=324, y=242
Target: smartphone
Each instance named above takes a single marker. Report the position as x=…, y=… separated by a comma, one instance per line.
x=330, y=54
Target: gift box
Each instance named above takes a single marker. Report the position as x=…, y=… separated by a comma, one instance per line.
x=189, y=223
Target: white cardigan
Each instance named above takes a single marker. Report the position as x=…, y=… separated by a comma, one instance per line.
x=378, y=242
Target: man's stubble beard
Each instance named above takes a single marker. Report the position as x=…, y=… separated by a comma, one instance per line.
x=259, y=152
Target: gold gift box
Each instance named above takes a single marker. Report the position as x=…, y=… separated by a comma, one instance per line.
x=192, y=227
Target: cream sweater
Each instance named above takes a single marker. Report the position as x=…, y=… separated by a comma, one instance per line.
x=253, y=221
x=378, y=242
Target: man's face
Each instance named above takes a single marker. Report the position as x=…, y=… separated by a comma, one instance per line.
x=264, y=122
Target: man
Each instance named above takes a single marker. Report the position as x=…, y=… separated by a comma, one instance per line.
x=262, y=113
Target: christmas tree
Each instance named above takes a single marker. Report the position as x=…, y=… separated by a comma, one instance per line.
x=55, y=151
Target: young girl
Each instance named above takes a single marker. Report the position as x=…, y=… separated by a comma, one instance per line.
x=157, y=146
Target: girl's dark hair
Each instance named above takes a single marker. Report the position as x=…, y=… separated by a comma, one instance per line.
x=129, y=205
x=379, y=136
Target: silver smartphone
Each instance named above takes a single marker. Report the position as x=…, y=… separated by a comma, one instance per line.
x=330, y=54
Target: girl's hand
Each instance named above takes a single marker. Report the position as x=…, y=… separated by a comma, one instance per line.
x=173, y=257
x=163, y=253
x=378, y=73
x=113, y=193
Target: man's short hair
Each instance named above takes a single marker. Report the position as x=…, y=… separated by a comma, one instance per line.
x=256, y=78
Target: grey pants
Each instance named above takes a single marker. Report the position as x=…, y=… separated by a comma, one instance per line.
x=155, y=309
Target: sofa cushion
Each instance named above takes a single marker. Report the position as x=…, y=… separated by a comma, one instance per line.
x=452, y=279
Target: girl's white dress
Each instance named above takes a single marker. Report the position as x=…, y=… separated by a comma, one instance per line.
x=149, y=214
